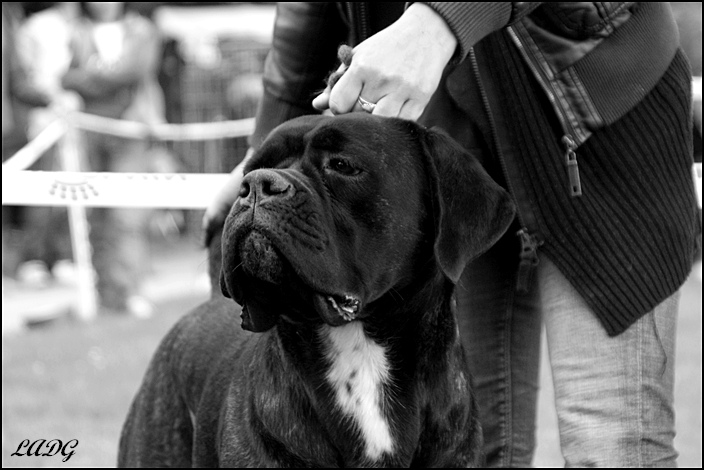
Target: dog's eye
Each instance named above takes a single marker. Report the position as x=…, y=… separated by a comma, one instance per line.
x=342, y=166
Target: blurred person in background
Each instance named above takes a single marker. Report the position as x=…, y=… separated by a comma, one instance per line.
x=13, y=132
x=42, y=57
x=115, y=55
x=13, y=129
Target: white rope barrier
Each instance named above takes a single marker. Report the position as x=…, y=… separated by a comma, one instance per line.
x=91, y=189
x=71, y=155
x=173, y=132
x=31, y=152
x=74, y=188
x=77, y=190
x=36, y=147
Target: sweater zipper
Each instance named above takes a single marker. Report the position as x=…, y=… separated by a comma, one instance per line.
x=568, y=141
x=572, y=168
x=528, y=255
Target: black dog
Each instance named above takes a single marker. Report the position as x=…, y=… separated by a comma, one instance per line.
x=343, y=250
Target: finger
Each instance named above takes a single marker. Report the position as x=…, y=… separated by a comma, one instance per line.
x=388, y=106
x=358, y=107
x=343, y=95
x=322, y=101
x=411, y=110
x=335, y=76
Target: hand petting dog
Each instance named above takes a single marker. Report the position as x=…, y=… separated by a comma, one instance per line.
x=397, y=69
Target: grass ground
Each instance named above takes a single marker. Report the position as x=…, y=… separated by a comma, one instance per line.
x=70, y=380
x=75, y=381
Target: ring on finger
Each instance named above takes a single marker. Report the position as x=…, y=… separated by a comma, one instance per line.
x=368, y=106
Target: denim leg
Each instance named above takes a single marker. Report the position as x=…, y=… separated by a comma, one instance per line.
x=118, y=235
x=501, y=334
x=614, y=395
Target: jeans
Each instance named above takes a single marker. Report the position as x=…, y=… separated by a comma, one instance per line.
x=118, y=235
x=613, y=395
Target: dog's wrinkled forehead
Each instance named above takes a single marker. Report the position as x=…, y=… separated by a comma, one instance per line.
x=358, y=134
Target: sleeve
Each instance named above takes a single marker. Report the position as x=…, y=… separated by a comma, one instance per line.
x=303, y=52
x=472, y=21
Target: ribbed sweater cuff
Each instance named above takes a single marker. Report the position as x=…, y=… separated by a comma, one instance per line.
x=471, y=21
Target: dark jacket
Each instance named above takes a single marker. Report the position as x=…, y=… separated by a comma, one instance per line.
x=584, y=70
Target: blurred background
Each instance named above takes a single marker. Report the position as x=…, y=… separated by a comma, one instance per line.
x=63, y=378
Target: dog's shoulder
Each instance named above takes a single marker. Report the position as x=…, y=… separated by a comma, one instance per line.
x=184, y=363
x=194, y=348
x=214, y=319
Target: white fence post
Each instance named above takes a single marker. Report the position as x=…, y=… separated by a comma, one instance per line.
x=70, y=151
x=24, y=187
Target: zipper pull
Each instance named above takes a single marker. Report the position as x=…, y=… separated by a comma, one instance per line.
x=529, y=260
x=572, y=168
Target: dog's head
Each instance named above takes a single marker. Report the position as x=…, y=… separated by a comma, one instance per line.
x=336, y=212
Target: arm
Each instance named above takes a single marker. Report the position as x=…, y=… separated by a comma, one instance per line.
x=217, y=211
x=472, y=21
x=400, y=67
x=304, y=46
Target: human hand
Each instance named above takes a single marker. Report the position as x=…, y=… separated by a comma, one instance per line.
x=398, y=68
x=217, y=211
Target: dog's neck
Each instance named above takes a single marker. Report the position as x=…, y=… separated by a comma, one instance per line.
x=364, y=379
x=362, y=389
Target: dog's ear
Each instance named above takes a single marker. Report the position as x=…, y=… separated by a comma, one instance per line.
x=472, y=211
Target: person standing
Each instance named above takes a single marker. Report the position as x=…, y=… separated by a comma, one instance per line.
x=583, y=112
x=115, y=56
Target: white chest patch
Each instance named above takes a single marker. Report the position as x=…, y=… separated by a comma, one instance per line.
x=359, y=369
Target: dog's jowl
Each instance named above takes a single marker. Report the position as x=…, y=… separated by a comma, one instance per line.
x=343, y=251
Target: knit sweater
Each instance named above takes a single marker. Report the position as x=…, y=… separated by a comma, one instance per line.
x=629, y=241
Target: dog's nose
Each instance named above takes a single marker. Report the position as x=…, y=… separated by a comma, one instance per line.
x=263, y=184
